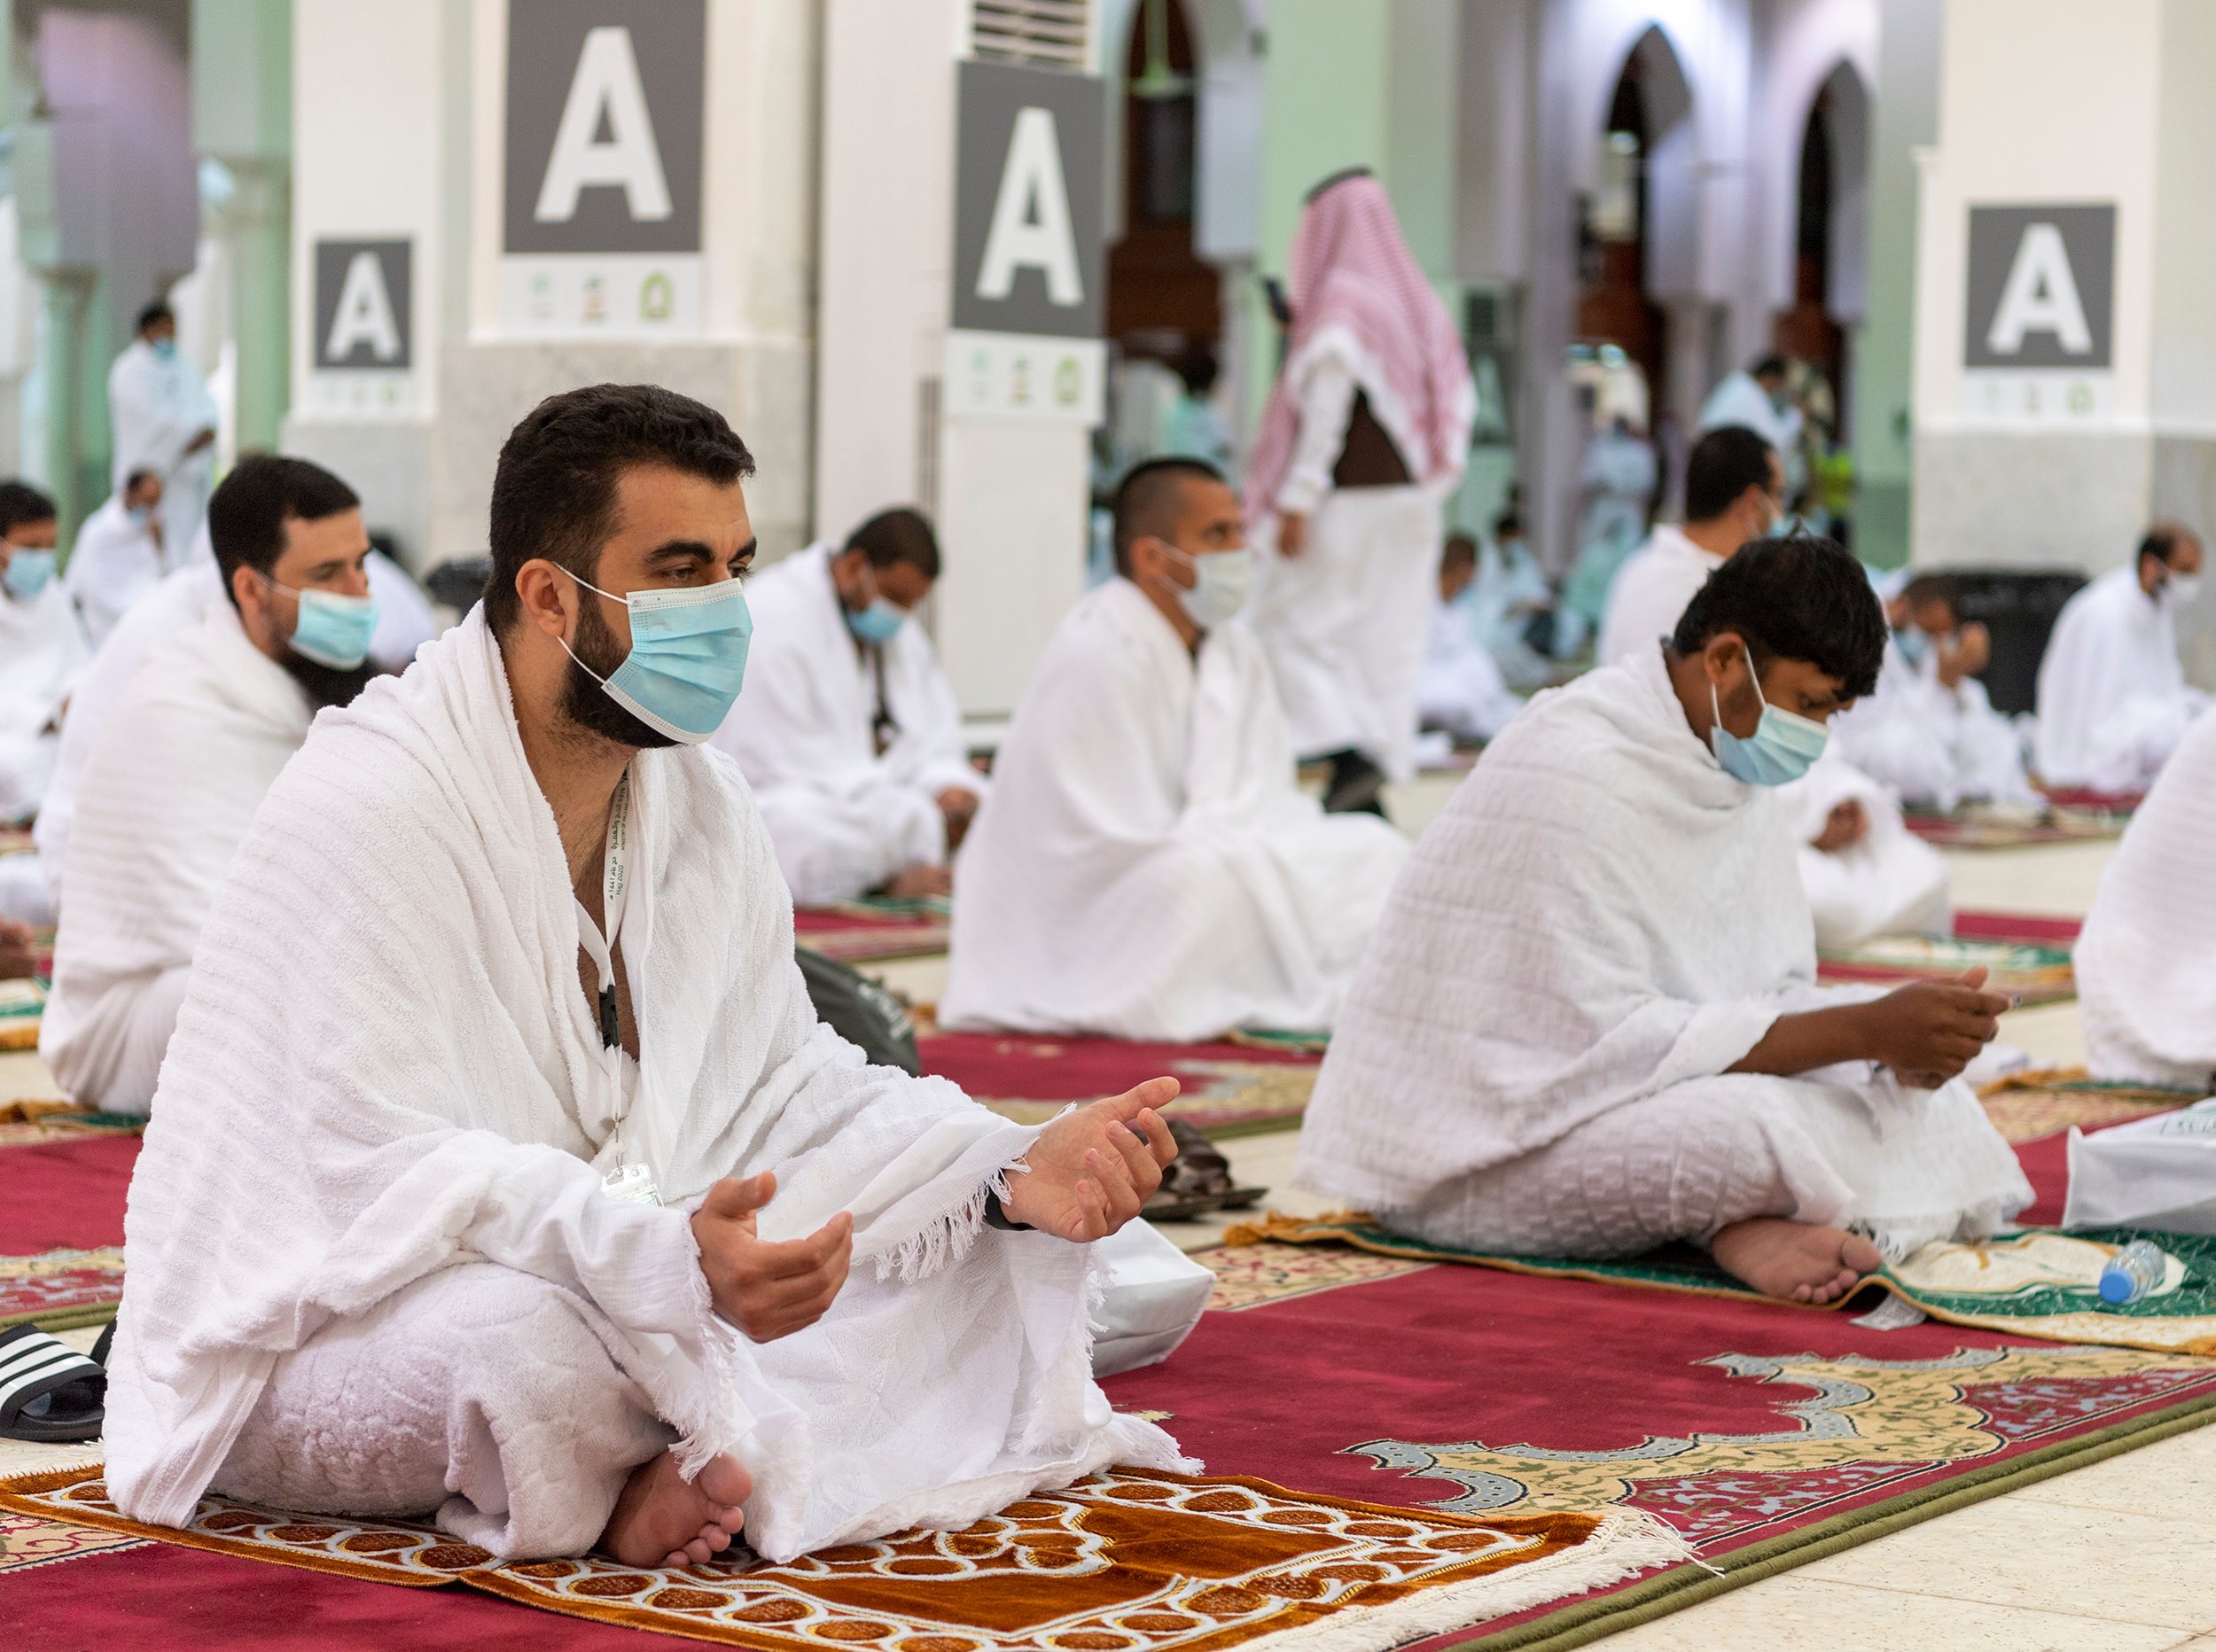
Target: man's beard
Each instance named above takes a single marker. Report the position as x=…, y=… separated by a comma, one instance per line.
x=328, y=685
x=585, y=703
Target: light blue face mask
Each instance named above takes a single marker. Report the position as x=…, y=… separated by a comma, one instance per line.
x=332, y=629
x=27, y=572
x=688, y=657
x=165, y=349
x=140, y=515
x=879, y=622
x=1783, y=748
x=1914, y=645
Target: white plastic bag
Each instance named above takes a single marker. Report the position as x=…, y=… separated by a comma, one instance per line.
x=1155, y=1295
x=2158, y=1173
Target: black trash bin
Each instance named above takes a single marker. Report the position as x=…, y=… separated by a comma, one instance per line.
x=2018, y=607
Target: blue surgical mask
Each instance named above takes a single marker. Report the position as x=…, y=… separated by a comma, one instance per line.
x=165, y=349
x=1915, y=645
x=879, y=622
x=1783, y=748
x=1223, y=581
x=139, y=514
x=28, y=572
x=688, y=657
x=332, y=629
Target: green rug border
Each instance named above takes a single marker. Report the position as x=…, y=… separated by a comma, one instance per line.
x=1585, y=1621
x=63, y=1319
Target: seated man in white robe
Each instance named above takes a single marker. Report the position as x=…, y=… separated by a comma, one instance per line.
x=2113, y=702
x=1759, y=397
x=118, y=554
x=1734, y=492
x=1929, y=734
x=1589, y=1023
x=183, y=759
x=1461, y=689
x=846, y=728
x=2147, y=958
x=1146, y=799
x=42, y=650
x=499, y=1168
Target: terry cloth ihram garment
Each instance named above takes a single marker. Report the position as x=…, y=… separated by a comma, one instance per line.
x=386, y=1067
x=194, y=745
x=843, y=817
x=1601, y=923
x=2147, y=960
x=2113, y=702
x=1147, y=866
x=42, y=653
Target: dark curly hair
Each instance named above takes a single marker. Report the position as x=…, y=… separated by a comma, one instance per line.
x=1801, y=598
x=555, y=490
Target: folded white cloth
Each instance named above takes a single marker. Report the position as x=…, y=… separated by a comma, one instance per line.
x=385, y=1066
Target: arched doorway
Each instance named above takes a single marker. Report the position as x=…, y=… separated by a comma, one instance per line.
x=1163, y=301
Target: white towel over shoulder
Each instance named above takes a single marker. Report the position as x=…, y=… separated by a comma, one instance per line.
x=385, y=1066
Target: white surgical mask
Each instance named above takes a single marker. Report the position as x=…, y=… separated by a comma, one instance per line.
x=1223, y=580
x=2184, y=588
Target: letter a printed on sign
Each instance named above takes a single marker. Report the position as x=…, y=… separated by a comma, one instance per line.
x=605, y=92
x=364, y=314
x=1031, y=216
x=2041, y=296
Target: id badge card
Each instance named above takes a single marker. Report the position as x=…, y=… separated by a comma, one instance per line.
x=632, y=1183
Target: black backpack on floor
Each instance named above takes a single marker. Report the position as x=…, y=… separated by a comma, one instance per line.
x=867, y=1015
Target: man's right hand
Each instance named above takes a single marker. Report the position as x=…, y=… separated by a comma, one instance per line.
x=918, y=882
x=1928, y=1032
x=204, y=438
x=767, y=1290
x=17, y=956
x=1292, y=532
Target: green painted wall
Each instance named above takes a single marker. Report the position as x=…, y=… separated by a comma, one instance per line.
x=242, y=115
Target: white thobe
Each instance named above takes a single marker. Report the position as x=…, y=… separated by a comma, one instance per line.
x=193, y=745
x=177, y=604
x=2113, y=702
x=1651, y=591
x=371, y=1188
x=2147, y=958
x=1533, y=1056
x=1343, y=622
x=42, y=652
x=156, y=406
x=1147, y=866
x=1461, y=689
x=115, y=560
x=1887, y=881
x=844, y=817
x=1930, y=744
x=1741, y=400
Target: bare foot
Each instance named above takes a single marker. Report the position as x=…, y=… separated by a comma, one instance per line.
x=1795, y=1261
x=661, y=1520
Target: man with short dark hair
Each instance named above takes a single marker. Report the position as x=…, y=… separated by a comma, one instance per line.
x=119, y=555
x=163, y=420
x=2113, y=702
x=499, y=1169
x=1760, y=398
x=1589, y=1024
x=42, y=650
x=1144, y=799
x=1461, y=691
x=847, y=729
x=183, y=760
x=1734, y=492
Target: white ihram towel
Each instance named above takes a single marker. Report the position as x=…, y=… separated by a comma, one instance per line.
x=386, y=1066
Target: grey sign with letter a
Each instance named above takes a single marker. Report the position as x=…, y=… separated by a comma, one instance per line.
x=2042, y=287
x=1028, y=201
x=606, y=107
x=363, y=306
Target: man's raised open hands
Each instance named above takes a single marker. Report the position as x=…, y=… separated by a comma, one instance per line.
x=1091, y=1169
x=767, y=1290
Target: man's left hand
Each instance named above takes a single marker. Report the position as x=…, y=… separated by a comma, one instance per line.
x=957, y=806
x=1091, y=1169
x=17, y=956
x=1845, y=826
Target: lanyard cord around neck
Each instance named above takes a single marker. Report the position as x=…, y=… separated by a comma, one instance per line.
x=614, y=884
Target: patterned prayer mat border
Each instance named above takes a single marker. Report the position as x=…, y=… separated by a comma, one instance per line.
x=2049, y=1279
x=877, y=946
x=1974, y=829
x=61, y=1289
x=1218, y=1563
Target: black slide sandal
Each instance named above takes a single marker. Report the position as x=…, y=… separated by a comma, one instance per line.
x=49, y=1393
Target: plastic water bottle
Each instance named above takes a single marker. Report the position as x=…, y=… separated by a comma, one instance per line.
x=2132, y=1273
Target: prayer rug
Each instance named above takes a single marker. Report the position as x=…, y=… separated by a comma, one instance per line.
x=1230, y=1090
x=58, y=1289
x=21, y=1004
x=2030, y=974
x=864, y=931
x=1127, y=1559
x=2007, y=826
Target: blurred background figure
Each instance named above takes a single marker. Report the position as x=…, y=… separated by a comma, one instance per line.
x=1195, y=427
x=1617, y=500
x=1510, y=604
x=119, y=553
x=1368, y=427
x=1460, y=692
x=164, y=421
x=1760, y=398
